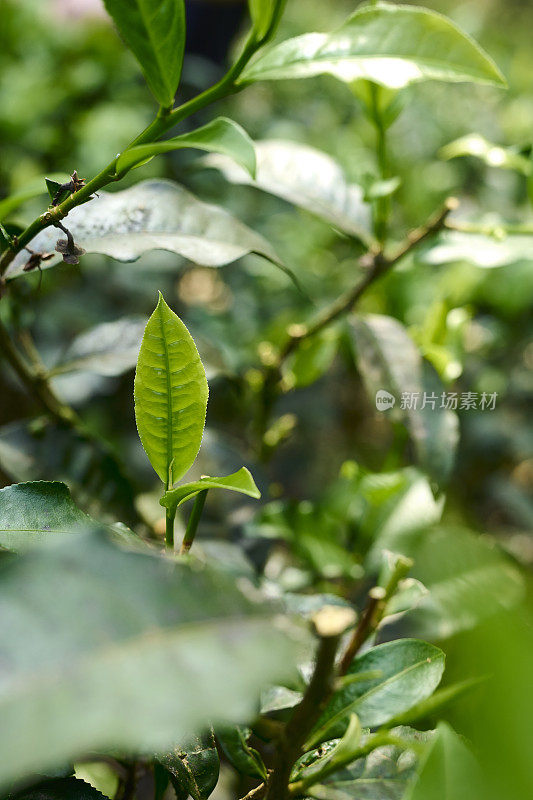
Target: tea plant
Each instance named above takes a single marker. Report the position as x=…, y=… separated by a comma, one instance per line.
x=129, y=669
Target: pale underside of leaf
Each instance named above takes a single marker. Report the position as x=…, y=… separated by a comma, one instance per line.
x=307, y=178
x=153, y=215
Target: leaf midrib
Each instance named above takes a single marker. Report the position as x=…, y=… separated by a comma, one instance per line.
x=341, y=714
x=170, y=417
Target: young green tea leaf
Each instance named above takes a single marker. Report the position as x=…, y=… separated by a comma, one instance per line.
x=389, y=361
x=219, y=136
x=409, y=671
x=241, y=481
x=154, y=215
x=307, y=178
x=388, y=44
x=170, y=395
x=144, y=652
x=154, y=30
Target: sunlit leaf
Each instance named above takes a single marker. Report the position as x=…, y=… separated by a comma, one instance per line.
x=307, y=178
x=240, y=481
x=491, y=154
x=388, y=44
x=170, y=395
x=154, y=30
x=219, y=136
x=482, y=251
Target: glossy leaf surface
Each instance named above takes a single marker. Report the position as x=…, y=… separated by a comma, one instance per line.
x=154, y=30
x=392, y=45
x=219, y=136
x=241, y=481
x=170, y=395
x=410, y=670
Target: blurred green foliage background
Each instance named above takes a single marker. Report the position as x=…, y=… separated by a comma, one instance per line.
x=71, y=96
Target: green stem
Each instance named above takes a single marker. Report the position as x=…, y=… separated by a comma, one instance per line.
x=382, y=204
x=169, y=532
x=164, y=120
x=194, y=519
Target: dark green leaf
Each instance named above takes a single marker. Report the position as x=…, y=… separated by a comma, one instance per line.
x=382, y=775
x=389, y=361
x=410, y=670
x=154, y=30
x=60, y=789
x=170, y=395
x=37, y=511
x=219, y=136
x=143, y=652
x=388, y=44
x=154, y=215
x=193, y=768
x=240, y=481
x=306, y=177
x=246, y=760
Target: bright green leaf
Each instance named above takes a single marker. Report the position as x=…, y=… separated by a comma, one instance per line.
x=143, y=652
x=390, y=362
x=312, y=358
x=170, y=395
x=410, y=670
x=219, y=136
x=486, y=251
x=154, y=30
x=392, y=45
x=307, y=178
x=240, y=481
